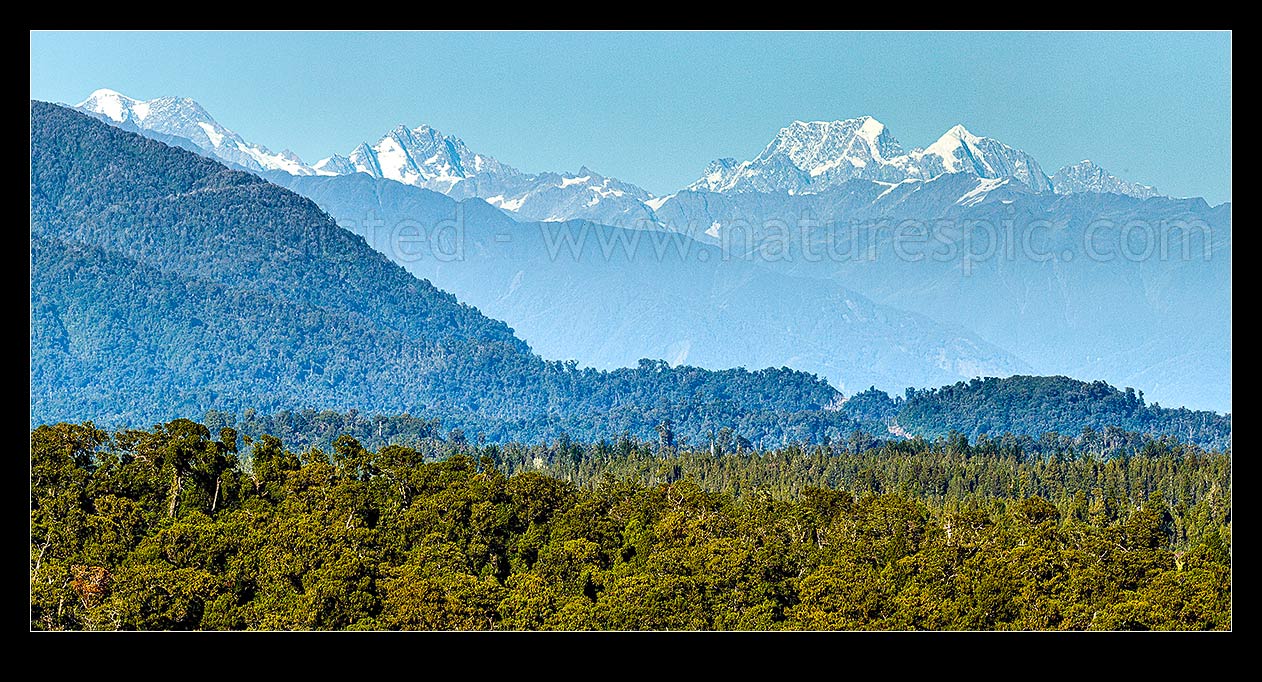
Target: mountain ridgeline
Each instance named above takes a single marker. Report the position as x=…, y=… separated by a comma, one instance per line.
x=1043, y=416
x=1029, y=405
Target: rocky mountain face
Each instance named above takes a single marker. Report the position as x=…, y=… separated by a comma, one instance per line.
x=426, y=158
x=184, y=118
x=820, y=155
x=1086, y=177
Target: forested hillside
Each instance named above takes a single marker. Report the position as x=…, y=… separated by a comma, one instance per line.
x=1035, y=415
x=176, y=528
x=1035, y=405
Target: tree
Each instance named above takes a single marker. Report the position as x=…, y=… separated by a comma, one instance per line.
x=666, y=434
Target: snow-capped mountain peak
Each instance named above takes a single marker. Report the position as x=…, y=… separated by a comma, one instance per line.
x=857, y=147
x=421, y=156
x=807, y=157
x=959, y=132
x=334, y=165
x=949, y=146
x=1086, y=176
x=184, y=118
x=115, y=105
x=960, y=151
x=425, y=157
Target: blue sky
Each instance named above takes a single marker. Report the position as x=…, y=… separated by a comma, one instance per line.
x=654, y=108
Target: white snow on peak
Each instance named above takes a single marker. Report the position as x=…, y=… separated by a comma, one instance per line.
x=713, y=230
x=112, y=104
x=833, y=163
x=270, y=161
x=216, y=138
x=604, y=191
x=893, y=186
x=871, y=129
x=116, y=106
x=656, y=202
x=1086, y=176
x=113, y=108
x=809, y=157
x=106, y=92
x=394, y=161
x=184, y=118
x=509, y=204
x=978, y=194
x=946, y=146
x=959, y=131
x=421, y=156
x=321, y=167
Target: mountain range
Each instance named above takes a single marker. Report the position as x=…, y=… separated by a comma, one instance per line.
x=803, y=157
x=1086, y=177
x=165, y=284
x=420, y=156
x=1162, y=323
x=181, y=117
x=821, y=155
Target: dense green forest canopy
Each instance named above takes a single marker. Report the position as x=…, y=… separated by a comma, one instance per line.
x=1034, y=405
x=1036, y=414
x=305, y=429
x=177, y=527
